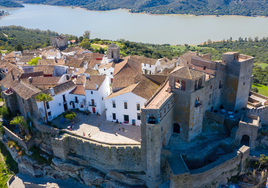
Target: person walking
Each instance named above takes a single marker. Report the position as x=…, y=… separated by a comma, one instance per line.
x=119, y=127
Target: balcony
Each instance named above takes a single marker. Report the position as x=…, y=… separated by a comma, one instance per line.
x=197, y=104
x=92, y=104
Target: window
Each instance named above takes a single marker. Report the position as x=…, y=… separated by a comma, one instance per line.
x=92, y=102
x=243, y=83
x=91, y=92
x=152, y=120
x=164, y=110
x=76, y=100
x=47, y=105
x=114, y=105
x=104, y=69
x=125, y=105
x=220, y=86
x=205, y=67
x=211, y=87
x=102, y=98
x=138, y=116
x=160, y=115
x=49, y=113
x=183, y=85
x=64, y=99
x=114, y=116
x=111, y=73
x=138, y=106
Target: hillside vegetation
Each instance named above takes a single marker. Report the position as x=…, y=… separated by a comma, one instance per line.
x=195, y=7
x=10, y=4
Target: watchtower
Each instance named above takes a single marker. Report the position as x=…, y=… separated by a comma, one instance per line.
x=113, y=52
x=189, y=93
x=238, y=80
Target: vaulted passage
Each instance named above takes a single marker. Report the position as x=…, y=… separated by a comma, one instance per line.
x=245, y=140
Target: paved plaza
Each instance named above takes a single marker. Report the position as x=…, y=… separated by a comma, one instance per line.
x=101, y=130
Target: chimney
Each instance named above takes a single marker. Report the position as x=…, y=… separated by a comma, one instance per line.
x=30, y=80
x=18, y=77
x=13, y=78
x=52, y=91
x=97, y=86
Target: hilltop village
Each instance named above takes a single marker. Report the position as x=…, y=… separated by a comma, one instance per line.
x=185, y=122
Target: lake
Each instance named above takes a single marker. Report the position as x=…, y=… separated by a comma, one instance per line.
x=120, y=24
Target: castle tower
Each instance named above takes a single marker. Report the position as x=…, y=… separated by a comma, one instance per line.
x=238, y=80
x=113, y=52
x=189, y=93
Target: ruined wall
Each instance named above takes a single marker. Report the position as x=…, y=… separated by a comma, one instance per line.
x=27, y=145
x=100, y=156
x=262, y=113
x=214, y=174
x=216, y=117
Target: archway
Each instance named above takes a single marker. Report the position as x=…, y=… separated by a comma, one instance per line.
x=176, y=128
x=200, y=83
x=245, y=140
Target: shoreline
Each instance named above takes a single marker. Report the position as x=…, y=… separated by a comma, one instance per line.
x=128, y=11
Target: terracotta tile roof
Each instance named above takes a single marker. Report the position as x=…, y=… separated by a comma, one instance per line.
x=37, y=81
x=81, y=79
x=24, y=90
x=47, y=69
x=78, y=90
x=93, y=62
x=92, y=81
x=124, y=78
x=31, y=74
x=188, y=55
x=91, y=71
x=142, y=59
x=157, y=79
x=76, y=63
x=26, y=59
x=46, y=62
x=186, y=73
x=76, y=71
x=127, y=63
x=144, y=88
x=164, y=61
x=107, y=66
x=61, y=87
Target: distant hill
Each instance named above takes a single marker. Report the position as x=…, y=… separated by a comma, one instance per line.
x=195, y=7
x=10, y=4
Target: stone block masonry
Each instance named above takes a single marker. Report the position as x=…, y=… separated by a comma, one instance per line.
x=101, y=156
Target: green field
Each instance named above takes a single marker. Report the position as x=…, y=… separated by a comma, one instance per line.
x=262, y=65
x=263, y=90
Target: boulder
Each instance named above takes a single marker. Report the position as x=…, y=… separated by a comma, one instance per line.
x=92, y=176
x=127, y=179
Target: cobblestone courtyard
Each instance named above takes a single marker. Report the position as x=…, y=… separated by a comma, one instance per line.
x=101, y=130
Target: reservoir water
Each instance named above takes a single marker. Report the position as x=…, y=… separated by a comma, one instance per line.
x=120, y=24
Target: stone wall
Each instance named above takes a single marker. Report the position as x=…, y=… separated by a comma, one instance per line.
x=27, y=145
x=214, y=174
x=216, y=117
x=262, y=113
x=101, y=156
x=44, y=128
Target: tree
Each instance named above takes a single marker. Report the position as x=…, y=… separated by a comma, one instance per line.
x=263, y=160
x=76, y=40
x=42, y=97
x=19, y=120
x=85, y=44
x=254, y=89
x=34, y=61
x=19, y=48
x=81, y=39
x=70, y=116
x=87, y=34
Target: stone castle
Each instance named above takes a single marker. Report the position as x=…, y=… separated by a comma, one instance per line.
x=196, y=130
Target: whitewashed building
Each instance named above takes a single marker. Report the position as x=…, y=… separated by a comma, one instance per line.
x=124, y=105
x=107, y=70
x=96, y=90
x=59, y=104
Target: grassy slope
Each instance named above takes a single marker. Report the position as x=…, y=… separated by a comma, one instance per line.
x=263, y=90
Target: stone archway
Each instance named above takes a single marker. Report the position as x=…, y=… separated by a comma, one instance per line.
x=245, y=140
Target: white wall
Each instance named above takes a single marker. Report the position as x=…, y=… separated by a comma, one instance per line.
x=98, y=96
x=132, y=101
x=77, y=105
x=149, y=68
x=54, y=106
x=110, y=73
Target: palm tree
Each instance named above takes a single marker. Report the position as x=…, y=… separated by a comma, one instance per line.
x=19, y=120
x=44, y=98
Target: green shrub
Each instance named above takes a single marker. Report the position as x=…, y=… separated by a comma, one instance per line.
x=2, y=130
x=70, y=116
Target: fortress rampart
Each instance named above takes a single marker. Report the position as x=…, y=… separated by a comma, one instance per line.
x=101, y=156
